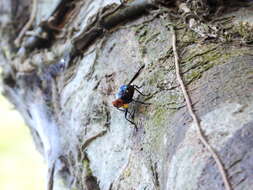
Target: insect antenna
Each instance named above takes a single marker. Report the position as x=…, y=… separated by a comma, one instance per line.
x=136, y=75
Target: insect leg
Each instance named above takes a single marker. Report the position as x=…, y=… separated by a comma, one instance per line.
x=140, y=92
x=121, y=110
x=135, y=126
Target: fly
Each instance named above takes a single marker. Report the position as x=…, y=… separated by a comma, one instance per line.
x=125, y=96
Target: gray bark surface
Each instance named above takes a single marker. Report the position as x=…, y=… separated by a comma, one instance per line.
x=66, y=73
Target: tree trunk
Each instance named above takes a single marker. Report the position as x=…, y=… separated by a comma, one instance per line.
x=64, y=75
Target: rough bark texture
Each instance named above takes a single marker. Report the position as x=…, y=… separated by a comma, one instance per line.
x=64, y=77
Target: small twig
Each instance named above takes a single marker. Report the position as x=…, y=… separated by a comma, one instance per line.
x=28, y=24
x=194, y=117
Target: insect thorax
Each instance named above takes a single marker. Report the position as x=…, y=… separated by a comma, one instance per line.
x=125, y=93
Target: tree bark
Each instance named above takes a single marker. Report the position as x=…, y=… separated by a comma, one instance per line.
x=68, y=68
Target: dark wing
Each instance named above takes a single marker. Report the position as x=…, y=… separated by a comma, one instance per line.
x=136, y=75
x=127, y=96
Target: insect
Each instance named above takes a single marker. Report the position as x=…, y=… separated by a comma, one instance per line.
x=125, y=96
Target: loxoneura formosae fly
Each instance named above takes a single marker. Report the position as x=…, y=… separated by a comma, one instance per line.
x=125, y=96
